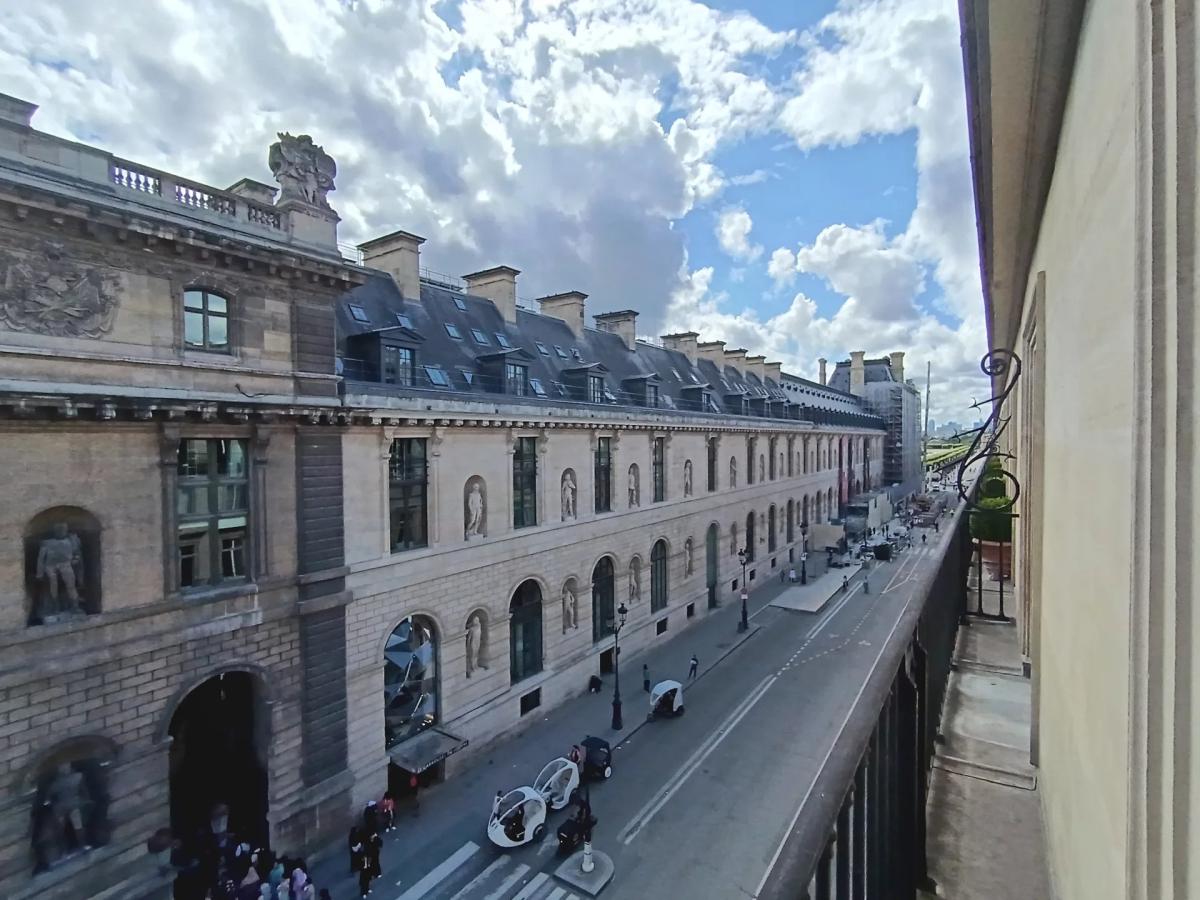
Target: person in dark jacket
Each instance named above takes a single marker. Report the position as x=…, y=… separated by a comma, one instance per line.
x=645, y=678
x=355, y=846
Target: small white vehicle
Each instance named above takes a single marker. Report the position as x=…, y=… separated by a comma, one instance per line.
x=557, y=782
x=518, y=818
x=666, y=699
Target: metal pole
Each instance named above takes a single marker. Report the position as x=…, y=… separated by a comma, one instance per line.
x=744, y=623
x=588, y=863
x=617, y=724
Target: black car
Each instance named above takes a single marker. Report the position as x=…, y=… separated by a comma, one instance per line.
x=597, y=759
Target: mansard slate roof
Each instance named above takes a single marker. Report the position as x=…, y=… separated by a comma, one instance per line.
x=553, y=355
x=874, y=370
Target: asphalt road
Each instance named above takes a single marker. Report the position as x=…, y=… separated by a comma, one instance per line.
x=698, y=805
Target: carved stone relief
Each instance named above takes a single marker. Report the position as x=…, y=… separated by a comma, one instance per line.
x=474, y=508
x=44, y=292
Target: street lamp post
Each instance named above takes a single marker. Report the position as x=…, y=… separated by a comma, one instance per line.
x=622, y=612
x=744, y=624
x=804, y=553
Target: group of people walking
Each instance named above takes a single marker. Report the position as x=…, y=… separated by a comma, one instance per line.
x=231, y=869
x=366, y=841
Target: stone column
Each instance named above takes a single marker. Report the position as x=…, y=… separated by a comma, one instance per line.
x=168, y=461
x=259, y=502
x=545, y=486
x=435, y=507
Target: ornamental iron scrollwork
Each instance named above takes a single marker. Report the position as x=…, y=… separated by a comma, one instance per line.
x=985, y=446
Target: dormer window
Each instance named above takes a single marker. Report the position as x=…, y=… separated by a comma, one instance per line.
x=595, y=388
x=458, y=301
x=480, y=337
x=517, y=379
x=404, y=321
x=652, y=395
x=541, y=348
x=437, y=377
x=359, y=314
x=399, y=365
x=537, y=387
x=562, y=354
x=453, y=331
x=503, y=341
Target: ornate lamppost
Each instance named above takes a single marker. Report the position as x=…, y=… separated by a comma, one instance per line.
x=744, y=623
x=804, y=553
x=622, y=612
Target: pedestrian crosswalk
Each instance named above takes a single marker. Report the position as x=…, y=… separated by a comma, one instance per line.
x=473, y=872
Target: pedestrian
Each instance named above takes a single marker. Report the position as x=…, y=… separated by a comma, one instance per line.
x=782, y=575
x=923, y=536
x=645, y=678
x=500, y=796
x=354, y=845
x=275, y=876
x=866, y=585
x=695, y=665
x=845, y=583
x=387, y=811
x=370, y=818
x=415, y=786
x=374, y=849
x=364, y=876
x=936, y=526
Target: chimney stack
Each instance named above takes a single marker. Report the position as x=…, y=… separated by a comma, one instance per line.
x=822, y=362
x=622, y=323
x=756, y=365
x=713, y=351
x=686, y=342
x=16, y=110
x=498, y=284
x=774, y=371
x=896, y=361
x=737, y=359
x=398, y=254
x=858, y=373
x=568, y=307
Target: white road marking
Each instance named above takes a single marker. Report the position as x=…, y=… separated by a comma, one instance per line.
x=549, y=842
x=508, y=883
x=530, y=889
x=676, y=781
x=557, y=894
x=441, y=873
x=824, y=762
x=498, y=863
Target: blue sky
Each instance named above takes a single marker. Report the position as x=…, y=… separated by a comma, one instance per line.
x=790, y=177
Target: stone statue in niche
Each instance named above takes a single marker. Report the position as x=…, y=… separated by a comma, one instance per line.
x=570, y=608
x=762, y=468
x=687, y=557
x=733, y=541
x=303, y=169
x=635, y=487
x=732, y=472
x=635, y=580
x=475, y=509
x=568, y=495
x=687, y=478
x=70, y=814
x=475, y=636
x=62, y=565
x=46, y=293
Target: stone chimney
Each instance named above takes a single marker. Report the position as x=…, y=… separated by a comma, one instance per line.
x=774, y=371
x=858, y=373
x=896, y=361
x=822, y=362
x=568, y=307
x=17, y=111
x=686, y=342
x=498, y=284
x=398, y=254
x=737, y=359
x=623, y=323
x=713, y=351
x=756, y=365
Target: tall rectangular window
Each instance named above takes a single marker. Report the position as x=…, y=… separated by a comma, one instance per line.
x=517, y=378
x=750, y=461
x=652, y=395
x=213, y=506
x=659, y=468
x=603, y=474
x=399, y=365
x=712, y=464
x=524, y=474
x=205, y=321
x=408, y=494
x=595, y=389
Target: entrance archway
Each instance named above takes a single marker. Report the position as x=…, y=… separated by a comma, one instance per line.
x=525, y=631
x=220, y=735
x=603, y=593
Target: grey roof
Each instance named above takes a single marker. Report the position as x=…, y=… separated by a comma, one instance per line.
x=874, y=370
x=625, y=372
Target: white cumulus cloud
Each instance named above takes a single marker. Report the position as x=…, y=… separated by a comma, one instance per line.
x=782, y=267
x=733, y=234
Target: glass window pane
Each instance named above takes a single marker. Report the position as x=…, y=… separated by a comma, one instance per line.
x=233, y=498
x=231, y=458
x=193, y=329
x=193, y=458
x=193, y=300
x=218, y=331
x=195, y=551
x=193, y=500
x=216, y=303
x=233, y=554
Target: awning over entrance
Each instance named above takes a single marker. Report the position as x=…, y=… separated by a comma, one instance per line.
x=425, y=750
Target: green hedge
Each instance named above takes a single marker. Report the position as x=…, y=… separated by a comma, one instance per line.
x=991, y=520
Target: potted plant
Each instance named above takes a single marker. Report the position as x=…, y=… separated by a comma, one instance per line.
x=991, y=523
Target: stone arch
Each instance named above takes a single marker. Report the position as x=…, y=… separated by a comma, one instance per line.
x=69, y=792
x=163, y=730
x=475, y=508
x=603, y=593
x=63, y=565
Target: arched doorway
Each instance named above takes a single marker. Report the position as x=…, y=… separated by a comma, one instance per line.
x=750, y=537
x=603, y=591
x=410, y=679
x=711, y=568
x=220, y=735
x=525, y=631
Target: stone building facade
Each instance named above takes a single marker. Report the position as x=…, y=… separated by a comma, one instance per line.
x=167, y=389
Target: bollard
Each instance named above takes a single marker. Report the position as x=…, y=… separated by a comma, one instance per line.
x=588, y=863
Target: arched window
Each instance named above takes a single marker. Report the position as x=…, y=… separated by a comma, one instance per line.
x=525, y=631
x=791, y=521
x=750, y=537
x=658, y=576
x=711, y=565
x=771, y=529
x=410, y=679
x=804, y=510
x=771, y=455
x=603, y=587
x=205, y=320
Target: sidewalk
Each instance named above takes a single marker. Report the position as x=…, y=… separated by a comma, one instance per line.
x=986, y=840
x=513, y=761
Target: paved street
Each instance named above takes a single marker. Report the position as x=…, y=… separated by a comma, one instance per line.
x=697, y=805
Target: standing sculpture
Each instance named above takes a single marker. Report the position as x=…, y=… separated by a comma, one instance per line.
x=474, y=523
x=762, y=469
x=732, y=472
x=570, y=609
x=687, y=478
x=687, y=557
x=60, y=564
x=304, y=170
x=635, y=580
x=474, y=637
x=568, y=495
x=635, y=487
